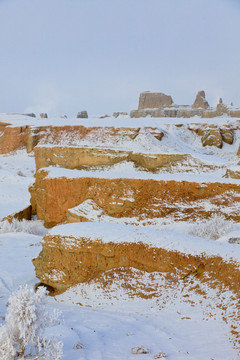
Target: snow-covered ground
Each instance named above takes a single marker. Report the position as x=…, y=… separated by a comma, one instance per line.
x=16, y=174
x=130, y=172
x=110, y=322
x=104, y=322
x=121, y=121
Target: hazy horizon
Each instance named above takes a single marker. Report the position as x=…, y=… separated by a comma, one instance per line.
x=62, y=57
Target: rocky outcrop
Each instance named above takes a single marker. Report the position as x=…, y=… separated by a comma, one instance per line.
x=104, y=116
x=221, y=108
x=82, y=115
x=13, y=138
x=234, y=240
x=232, y=173
x=200, y=101
x=52, y=196
x=189, y=112
x=68, y=259
x=30, y=114
x=161, y=105
x=213, y=135
x=227, y=134
x=121, y=113
x=32, y=139
x=43, y=116
x=147, y=112
x=149, y=100
x=82, y=158
x=25, y=214
x=77, y=157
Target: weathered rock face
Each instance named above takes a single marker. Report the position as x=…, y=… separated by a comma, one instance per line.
x=233, y=174
x=213, y=135
x=24, y=214
x=79, y=158
x=149, y=100
x=13, y=138
x=51, y=197
x=147, y=112
x=227, y=134
x=67, y=260
x=210, y=114
x=200, y=101
x=172, y=113
x=82, y=115
x=188, y=113
x=76, y=157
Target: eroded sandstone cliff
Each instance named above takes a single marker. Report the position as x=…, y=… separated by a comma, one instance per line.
x=52, y=196
x=67, y=260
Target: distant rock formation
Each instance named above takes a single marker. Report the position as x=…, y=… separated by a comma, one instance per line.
x=221, y=108
x=82, y=115
x=104, y=116
x=31, y=115
x=149, y=100
x=200, y=101
x=117, y=114
x=43, y=116
x=161, y=105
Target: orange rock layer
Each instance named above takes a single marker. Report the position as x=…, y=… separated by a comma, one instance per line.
x=61, y=266
x=81, y=157
x=144, y=199
x=13, y=138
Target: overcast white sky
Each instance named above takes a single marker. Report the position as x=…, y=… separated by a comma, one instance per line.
x=64, y=56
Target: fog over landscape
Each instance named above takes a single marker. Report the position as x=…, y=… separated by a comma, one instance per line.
x=64, y=56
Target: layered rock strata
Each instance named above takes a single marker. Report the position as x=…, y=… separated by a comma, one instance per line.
x=81, y=157
x=52, y=196
x=18, y=137
x=70, y=255
x=12, y=138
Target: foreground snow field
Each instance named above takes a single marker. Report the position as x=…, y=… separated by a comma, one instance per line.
x=104, y=322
